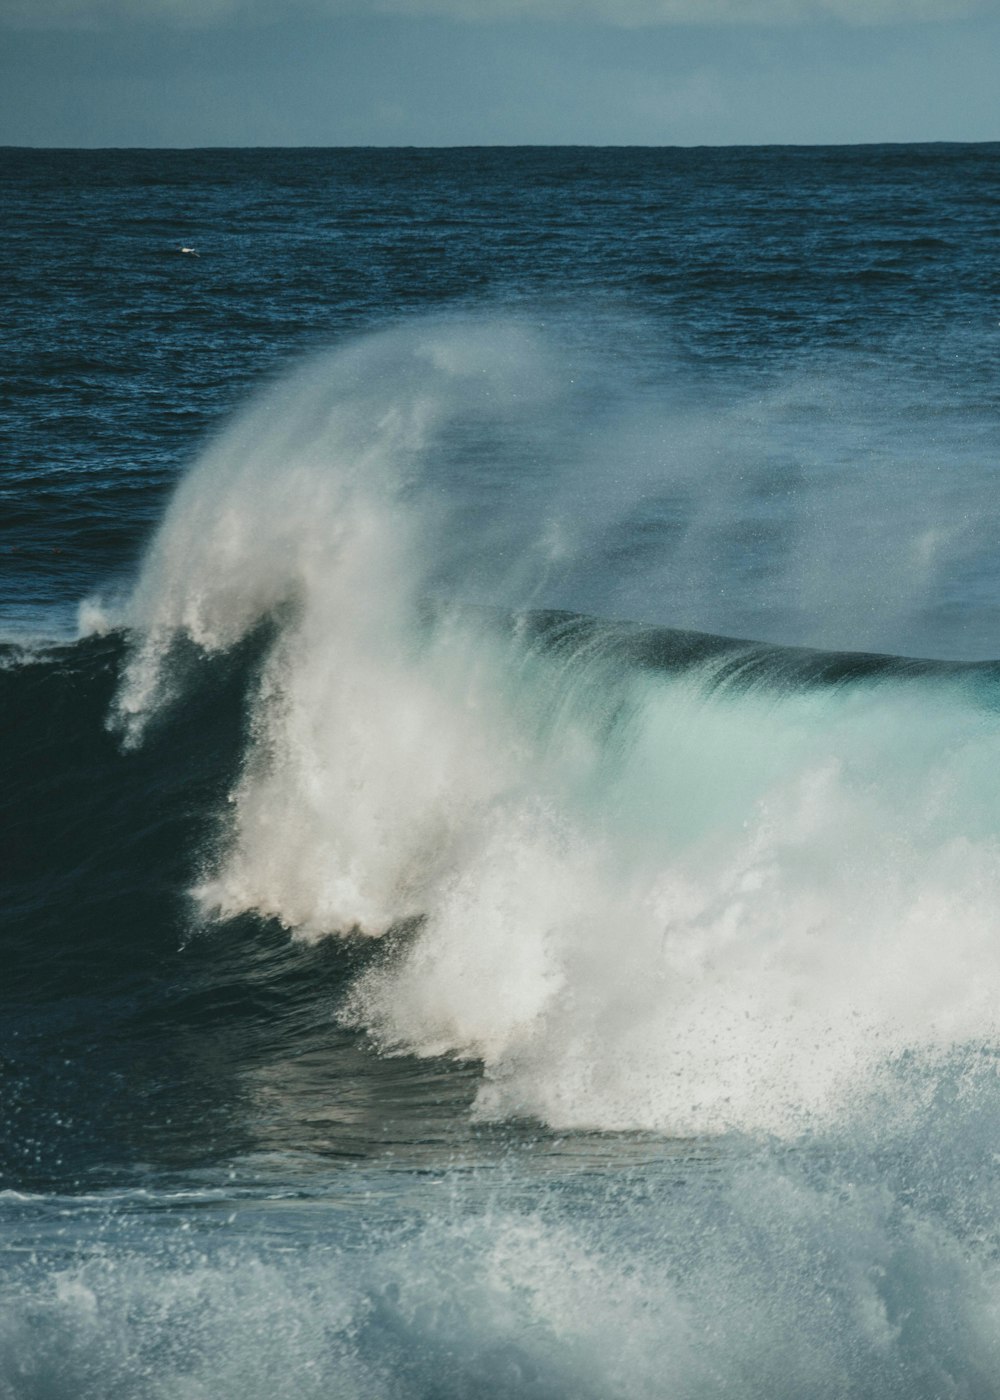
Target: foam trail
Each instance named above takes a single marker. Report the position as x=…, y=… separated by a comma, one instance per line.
x=644, y=896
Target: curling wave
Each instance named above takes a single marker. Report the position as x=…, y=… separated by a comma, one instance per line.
x=648, y=878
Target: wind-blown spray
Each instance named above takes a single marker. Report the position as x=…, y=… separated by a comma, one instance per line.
x=647, y=885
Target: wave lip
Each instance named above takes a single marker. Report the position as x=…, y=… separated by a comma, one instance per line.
x=732, y=662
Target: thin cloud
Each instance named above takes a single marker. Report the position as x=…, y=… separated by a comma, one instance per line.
x=638, y=13
x=104, y=14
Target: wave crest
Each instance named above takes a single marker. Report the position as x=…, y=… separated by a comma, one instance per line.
x=642, y=897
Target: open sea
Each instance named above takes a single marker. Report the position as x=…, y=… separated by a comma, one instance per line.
x=500, y=712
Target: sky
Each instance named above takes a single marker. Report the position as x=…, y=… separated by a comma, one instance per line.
x=497, y=72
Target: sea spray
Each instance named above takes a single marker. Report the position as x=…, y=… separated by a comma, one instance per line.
x=721, y=893
x=802, y=1273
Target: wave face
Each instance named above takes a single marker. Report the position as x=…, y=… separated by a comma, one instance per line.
x=649, y=879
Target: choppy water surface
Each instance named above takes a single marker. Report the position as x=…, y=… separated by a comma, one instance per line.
x=500, y=833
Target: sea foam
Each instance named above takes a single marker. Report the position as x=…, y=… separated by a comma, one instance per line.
x=640, y=899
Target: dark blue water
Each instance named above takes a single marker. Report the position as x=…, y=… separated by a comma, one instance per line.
x=500, y=840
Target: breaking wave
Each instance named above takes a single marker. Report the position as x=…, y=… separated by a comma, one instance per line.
x=648, y=878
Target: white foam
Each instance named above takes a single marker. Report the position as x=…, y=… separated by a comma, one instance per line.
x=756, y=1277
x=708, y=912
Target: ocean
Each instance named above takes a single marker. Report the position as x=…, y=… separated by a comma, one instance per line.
x=501, y=842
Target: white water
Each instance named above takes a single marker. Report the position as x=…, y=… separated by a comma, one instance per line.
x=763, y=1276
x=641, y=905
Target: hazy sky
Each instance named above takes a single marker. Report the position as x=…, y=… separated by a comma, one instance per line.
x=456, y=72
